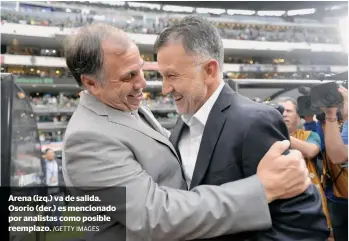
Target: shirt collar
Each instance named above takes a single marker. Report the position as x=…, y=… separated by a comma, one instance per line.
x=202, y=114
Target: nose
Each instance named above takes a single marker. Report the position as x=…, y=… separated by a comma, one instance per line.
x=166, y=88
x=140, y=83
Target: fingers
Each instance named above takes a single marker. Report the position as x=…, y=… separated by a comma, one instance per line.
x=277, y=149
x=343, y=91
x=295, y=155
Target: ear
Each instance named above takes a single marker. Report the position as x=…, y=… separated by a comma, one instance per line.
x=90, y=84
x=211, y=69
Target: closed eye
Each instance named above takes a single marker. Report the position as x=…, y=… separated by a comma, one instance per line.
x=129, y=76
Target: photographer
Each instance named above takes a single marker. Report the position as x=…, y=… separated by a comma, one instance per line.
x=335, y=161
x=336, y=142
x=336, y=145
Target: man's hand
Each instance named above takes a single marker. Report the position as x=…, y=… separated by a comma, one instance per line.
x=283, y=176
x=330, y=113
x=344, y=93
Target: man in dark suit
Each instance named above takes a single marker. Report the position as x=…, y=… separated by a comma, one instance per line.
x=221, y=136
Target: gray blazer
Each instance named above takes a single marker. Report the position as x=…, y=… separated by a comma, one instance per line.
x=105, y=148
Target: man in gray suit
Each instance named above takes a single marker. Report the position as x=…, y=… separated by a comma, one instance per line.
x=111, y=141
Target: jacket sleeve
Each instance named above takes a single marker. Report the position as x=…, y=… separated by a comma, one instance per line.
x=298, y=218
x=156, y=212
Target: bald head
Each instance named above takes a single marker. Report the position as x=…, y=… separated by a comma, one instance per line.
x=84, y=53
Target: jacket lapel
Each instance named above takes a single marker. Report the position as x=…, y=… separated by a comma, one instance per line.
x=122, y=118
x=212, y=131
x=119, y=117
x=176, y=134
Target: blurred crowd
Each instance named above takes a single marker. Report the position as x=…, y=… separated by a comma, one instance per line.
x=50, y=102
x=57, y=103
x=58, y=109
x=228, y=30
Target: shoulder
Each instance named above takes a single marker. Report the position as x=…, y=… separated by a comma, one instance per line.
x=314, y=138
x=250, y=111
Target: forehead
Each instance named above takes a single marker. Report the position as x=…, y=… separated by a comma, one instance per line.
x=173, y=55
x=288, y=105
x=120, y=56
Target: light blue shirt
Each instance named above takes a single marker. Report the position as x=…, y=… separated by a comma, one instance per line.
x=314, y=138
x=344, y=135
x=51, y=173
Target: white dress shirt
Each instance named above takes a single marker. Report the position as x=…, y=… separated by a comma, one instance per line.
x=190, y=140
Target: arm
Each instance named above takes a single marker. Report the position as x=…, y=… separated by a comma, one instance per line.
x=159, y=212
x=309, y=150
x=335, y=147
x=298, y=218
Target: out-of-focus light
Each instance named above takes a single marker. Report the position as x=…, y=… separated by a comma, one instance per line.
x=116, y=3
x=38, y=71
x=301, y=12
x=144, y=5
x=68, y=10
x=54, y=51
x=172, y=8
x=210, y=10
x=130, y=20
x=21, y=95
x=251, y=61
x=57, y=72
x=271, y=13
x=46, y=51
x=31, y=70
x=240, y=12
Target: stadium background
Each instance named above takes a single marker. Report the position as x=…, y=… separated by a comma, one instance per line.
x=271, y=48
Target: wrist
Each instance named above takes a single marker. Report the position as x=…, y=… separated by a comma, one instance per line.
x=267, y=192
x=269, y=196
x=331, y=119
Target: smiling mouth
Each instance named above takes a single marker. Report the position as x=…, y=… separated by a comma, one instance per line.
x=137, y=95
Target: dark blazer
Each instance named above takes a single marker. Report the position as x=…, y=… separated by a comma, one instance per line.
x=237, y=135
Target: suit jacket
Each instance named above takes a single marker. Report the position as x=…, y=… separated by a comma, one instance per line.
x=237, y=135
x=134, y=167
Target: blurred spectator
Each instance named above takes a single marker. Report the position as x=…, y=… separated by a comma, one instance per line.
x=228, y=30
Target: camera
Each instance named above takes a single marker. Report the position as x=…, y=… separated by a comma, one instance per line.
x=322, y=95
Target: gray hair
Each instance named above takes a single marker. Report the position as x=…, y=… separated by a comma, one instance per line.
x=286, y=99
x=198, y=36
x=300, y=124
x=84, y=53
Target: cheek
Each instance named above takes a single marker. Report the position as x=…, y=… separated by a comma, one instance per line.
x=119, y=91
